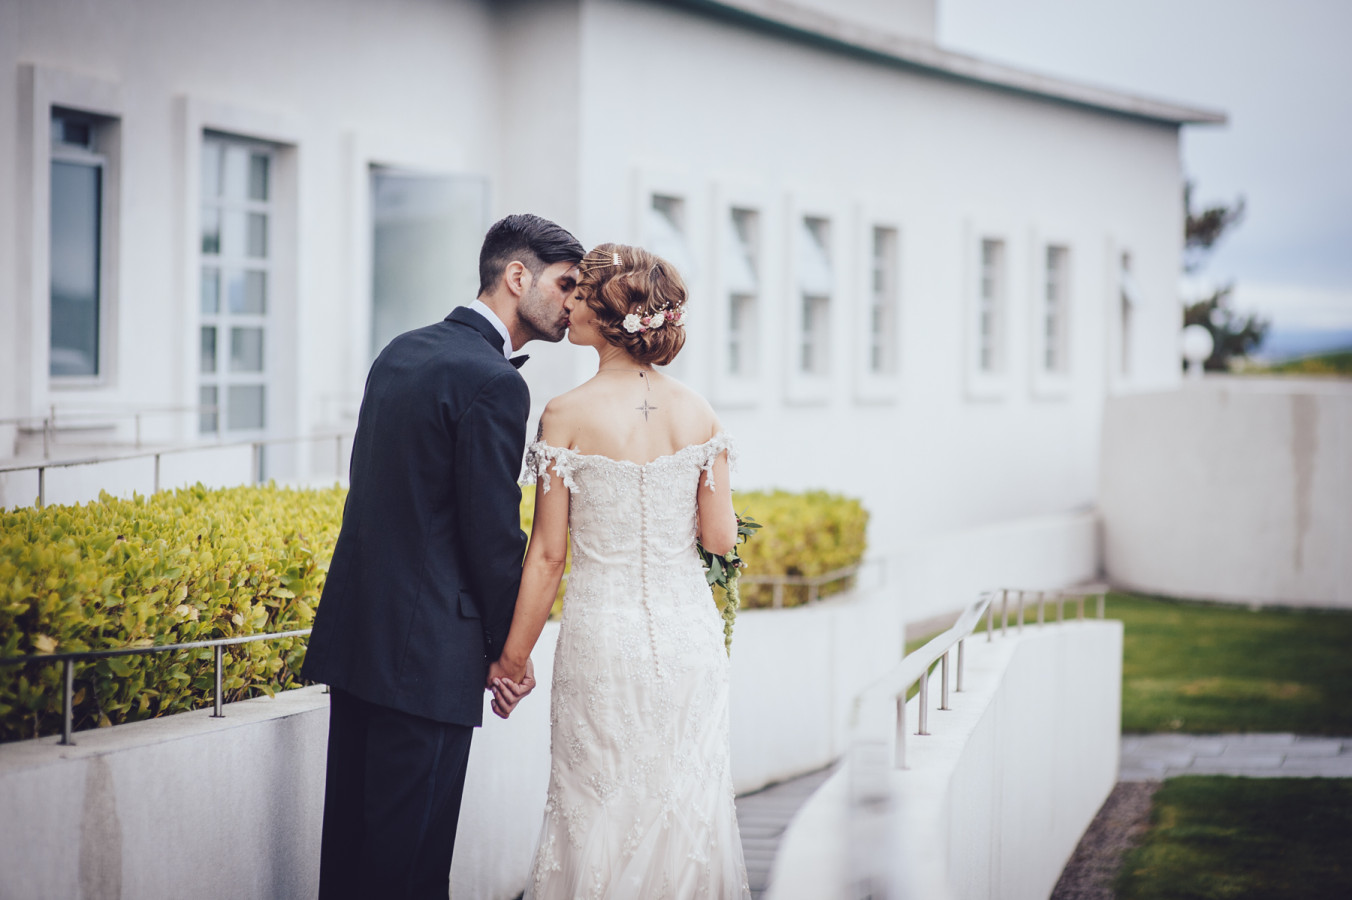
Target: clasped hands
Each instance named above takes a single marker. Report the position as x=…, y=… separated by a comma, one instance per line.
x=508, y=683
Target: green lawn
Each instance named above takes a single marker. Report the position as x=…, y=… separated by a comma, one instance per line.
x=1217, y=838
x=1206, y=668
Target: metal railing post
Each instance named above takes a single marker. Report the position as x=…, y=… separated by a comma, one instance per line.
x=1004, y=612
x=777, y=600
x=137, y=418
x=67, y=701
x=256, y=462
x=990, y=621
x=338, y=456
x=900, y=760
x=924, y=703
x=1060, y=607
x=1081, y=602
x=216, y=712
x=1041, y=607
x=943, y=684
x=958, y=687
x=157, y=473
x=1101, y=599
x=1020, y=593
x=42, y=486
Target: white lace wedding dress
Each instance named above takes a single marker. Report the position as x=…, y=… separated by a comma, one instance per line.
x=640, y=801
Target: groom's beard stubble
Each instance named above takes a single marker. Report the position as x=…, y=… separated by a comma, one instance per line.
x=543, y=322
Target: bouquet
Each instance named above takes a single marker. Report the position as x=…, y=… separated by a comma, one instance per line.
x=725, y=571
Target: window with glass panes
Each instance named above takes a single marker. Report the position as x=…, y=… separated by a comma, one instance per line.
x=882, y=352
x=816, y=285
x=990, y=309
x=1055, y=309
x=236, y=282
x=76, y=262
x=743, y=286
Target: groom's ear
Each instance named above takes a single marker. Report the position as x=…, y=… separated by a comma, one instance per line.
x=515, y=276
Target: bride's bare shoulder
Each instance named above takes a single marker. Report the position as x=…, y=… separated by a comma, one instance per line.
x=695, y=412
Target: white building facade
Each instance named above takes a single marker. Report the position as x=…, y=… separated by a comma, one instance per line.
x=915, y=276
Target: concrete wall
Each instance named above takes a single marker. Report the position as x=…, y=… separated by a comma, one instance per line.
x=723, y=115
x=152, y=809
x=996, y=798
x=1233, y=489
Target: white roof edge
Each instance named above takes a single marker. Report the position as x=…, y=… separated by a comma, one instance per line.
x=925, y=55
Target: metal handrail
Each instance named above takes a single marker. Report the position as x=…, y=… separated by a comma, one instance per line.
x=68, y=661
x=256, y=444
x=814, y=583
x=48, y=423
x=915, y=667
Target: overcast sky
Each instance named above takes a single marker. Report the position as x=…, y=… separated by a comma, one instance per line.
x=1281, y=69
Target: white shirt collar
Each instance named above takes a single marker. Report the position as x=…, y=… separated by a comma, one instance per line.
x=482, y=309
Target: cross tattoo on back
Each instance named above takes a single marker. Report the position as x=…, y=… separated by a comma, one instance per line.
x=645, y=409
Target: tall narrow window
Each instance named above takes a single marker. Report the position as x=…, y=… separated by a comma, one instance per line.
x=882, y=313
x=425, y=236
x=1126, y=303
x=816, y=284
x=1055, y=310
x=990, y=311
x=742, y=283
x=667, y=234
x=236, y=282
x=77, y=239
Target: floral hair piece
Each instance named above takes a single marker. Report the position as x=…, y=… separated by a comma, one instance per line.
x=635, y=324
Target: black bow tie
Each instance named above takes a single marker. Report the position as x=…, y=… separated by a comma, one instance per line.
x=518, y=361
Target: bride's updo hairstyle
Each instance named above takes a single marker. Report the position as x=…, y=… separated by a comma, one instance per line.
x=638, y=298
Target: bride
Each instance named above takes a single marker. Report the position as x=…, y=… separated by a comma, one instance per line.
x=634, y=465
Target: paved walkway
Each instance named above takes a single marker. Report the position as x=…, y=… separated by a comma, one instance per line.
x=1154, y=757
x=762, y=818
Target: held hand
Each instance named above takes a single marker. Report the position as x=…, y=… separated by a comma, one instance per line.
x=508, y=693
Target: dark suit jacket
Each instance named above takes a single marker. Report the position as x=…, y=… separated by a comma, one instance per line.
x=423, y=582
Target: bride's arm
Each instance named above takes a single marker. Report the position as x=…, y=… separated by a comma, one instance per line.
x=540, y=577
x=717, y=520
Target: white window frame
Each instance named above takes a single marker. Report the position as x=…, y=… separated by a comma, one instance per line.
x=283, y=348
x=749, y=387
x=979, y=383
x=818, y=388
x=1045, y=383
x=42, y=90
x=692, y=363
x=106, y=135
x=364, y=150
x=223, y=320
x=872, y=386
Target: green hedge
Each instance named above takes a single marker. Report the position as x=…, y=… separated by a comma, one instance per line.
x=179, y=566
x=804, y=534
x=196, y=564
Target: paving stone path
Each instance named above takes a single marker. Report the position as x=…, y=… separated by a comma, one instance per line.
x=762, y=818
x=1154, y=757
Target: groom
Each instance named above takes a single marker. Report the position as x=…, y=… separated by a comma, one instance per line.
x=423, y=582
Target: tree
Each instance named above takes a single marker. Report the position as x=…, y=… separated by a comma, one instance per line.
x=1234, y=335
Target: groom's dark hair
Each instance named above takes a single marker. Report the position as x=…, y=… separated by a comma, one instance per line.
x=530, y=240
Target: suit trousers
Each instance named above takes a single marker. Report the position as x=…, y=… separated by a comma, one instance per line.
x=391, y=802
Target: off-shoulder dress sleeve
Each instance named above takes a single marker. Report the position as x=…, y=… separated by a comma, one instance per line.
x=540, y=456
x=710, y=451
